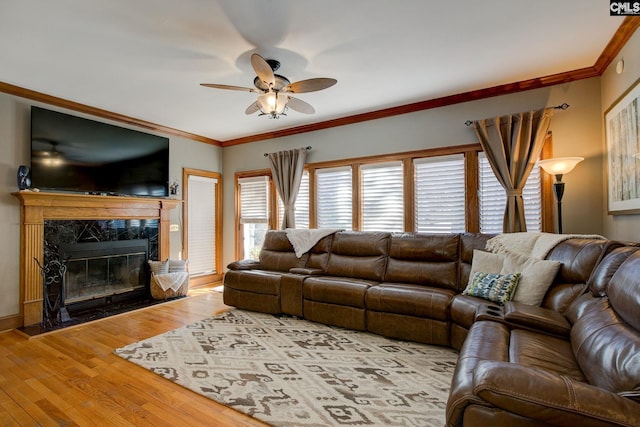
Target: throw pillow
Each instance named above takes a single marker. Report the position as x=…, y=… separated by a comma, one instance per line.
x=159, y=267
x=486, y=262
x=537, y=276
x=177, y=265
x=498, y=288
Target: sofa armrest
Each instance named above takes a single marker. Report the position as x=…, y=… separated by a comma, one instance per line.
x=536, y=318
x=307, y=271
x=550, y=398
x=244, y=264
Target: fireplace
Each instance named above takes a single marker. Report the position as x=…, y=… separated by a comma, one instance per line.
x=130, y=218
x=102, y=270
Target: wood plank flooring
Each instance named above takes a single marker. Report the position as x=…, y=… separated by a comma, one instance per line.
x=71, y=377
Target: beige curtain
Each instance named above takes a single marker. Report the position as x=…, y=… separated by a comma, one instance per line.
x=512, y=145
x=287, y=168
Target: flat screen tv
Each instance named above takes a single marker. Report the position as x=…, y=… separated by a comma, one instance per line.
x=74, y=154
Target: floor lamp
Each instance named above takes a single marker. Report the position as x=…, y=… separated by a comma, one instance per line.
x=558, y=167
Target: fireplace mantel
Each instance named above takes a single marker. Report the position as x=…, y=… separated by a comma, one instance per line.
x=40, y=206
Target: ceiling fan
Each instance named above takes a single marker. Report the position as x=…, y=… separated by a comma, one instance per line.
x=275, y=90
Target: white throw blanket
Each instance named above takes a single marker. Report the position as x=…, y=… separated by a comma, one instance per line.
x=535, y=245
x=303, y=240
x=171, y=281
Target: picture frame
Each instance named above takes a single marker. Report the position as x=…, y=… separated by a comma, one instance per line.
x=622, y=135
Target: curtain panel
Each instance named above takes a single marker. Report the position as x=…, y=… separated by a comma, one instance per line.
x=513, y=144
x=287, y=168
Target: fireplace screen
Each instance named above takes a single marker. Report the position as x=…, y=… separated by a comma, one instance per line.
x=100, y=269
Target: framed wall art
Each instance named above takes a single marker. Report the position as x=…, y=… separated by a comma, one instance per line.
x=622, y=133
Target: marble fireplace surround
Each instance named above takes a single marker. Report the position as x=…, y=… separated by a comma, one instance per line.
x=40, y=206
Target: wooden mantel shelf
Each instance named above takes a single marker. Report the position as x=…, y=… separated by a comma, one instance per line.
x=40, y=206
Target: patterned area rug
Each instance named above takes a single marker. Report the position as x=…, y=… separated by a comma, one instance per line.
x=291, y=372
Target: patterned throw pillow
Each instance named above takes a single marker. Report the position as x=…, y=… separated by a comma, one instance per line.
x=493, y=287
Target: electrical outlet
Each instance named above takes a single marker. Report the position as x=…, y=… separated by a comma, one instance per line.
x=174, y=227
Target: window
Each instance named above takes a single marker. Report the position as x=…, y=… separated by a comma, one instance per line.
x=254, y=214
x=201, y=234
x=382, y=197
x=334, y=192
x=439, y=194
x=202, y=195
x=493, y=199
x=302, y=204
x=440, y=190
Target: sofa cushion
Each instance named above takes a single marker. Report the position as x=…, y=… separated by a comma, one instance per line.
x=277, y=254
x=336, y=290
x=538, y=350
x=424, y=259
x=359, y=255
x=319, y=254
x=256, y=281
x=606, y=268
x=493, y=287
x=607, y=348
x=410, y=300
x=468, y=243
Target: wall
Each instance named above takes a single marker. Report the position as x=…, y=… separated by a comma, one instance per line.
x=14, y=146
x=623, y=227
x=576, y=132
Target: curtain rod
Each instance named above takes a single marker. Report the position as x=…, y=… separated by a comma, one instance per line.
x=308, y=147
x=562, y=106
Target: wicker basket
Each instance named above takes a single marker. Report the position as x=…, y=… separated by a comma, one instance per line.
x=158, y=293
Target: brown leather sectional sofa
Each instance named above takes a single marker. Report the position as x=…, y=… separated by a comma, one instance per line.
x=575, y=360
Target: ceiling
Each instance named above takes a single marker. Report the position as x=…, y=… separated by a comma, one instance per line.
x=146, y=58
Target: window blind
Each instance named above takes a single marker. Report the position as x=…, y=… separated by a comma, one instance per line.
x=202, y=224
x=334, y=197
x=382, y=197
x=440, y=194
x=254, y=199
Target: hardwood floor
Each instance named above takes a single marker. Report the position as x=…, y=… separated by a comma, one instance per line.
x=71, y=377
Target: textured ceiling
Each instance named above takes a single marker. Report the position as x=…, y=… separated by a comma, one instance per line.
x=146, y=58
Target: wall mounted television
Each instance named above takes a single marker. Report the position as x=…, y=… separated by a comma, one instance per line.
x=74, y=154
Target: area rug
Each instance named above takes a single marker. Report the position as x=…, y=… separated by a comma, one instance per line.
x=291, y=372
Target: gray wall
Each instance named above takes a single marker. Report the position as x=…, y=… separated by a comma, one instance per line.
x=576, y=132
x=14, y=146
x=622, y=227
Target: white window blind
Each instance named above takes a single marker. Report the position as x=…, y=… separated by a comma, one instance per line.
x=302, y=204
x=254, y=213
x=334, y=197
x=254, y=199
x=492, y=199
x=440, y=194
x=202, y=224
x=382, y=197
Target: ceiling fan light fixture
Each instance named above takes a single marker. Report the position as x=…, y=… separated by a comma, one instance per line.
x=272, y=104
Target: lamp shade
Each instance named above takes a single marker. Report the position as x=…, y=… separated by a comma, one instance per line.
x=272, y=103
x=560, y=165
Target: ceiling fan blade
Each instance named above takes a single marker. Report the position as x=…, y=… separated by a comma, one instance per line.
x=252, y=108
x=310, y=85
x=262, y=69
x=300, y=106
x=229, y=87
